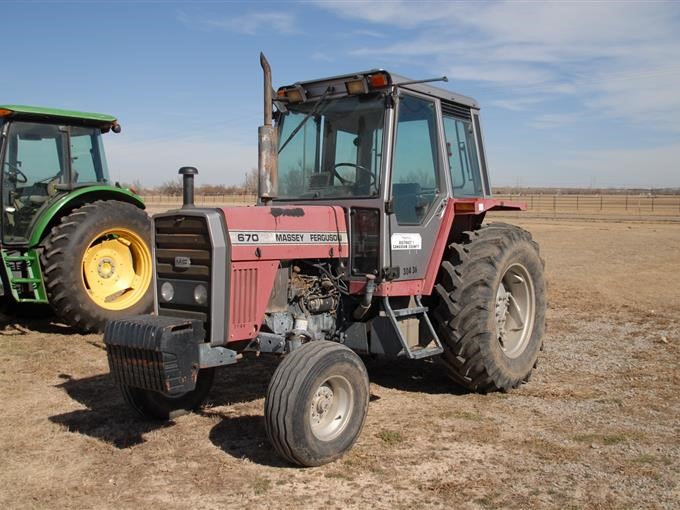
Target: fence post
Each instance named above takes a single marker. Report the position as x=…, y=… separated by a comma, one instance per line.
x=577, y=202
x=626, y=202
x=652, y=203
x=600, y=202
x=554, y=203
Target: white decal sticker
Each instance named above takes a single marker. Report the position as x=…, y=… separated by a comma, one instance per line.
x=406, y=242
x=268, y=237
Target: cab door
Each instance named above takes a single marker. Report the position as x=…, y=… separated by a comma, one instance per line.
x=417, y=191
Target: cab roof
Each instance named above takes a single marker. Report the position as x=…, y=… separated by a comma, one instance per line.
x=38, y=113
x=316, y=87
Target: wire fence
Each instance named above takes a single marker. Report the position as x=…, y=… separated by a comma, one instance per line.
x=642, y=205
x=616, y=205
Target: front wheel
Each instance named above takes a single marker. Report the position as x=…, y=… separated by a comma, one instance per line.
x=316, y=403
x=152, y=405
x=97, y=264
x=490, y=305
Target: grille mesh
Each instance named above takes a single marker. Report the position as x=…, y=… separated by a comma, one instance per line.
x=183, y=236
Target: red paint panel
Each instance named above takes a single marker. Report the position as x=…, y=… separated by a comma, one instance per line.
x=251, y=287
x=395, y=288
x=285, y=233
x=439, y=247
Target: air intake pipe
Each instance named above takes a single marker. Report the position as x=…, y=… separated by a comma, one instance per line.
x=268, y=146
x=187, y=173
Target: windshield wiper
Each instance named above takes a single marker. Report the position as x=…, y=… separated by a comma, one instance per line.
x=313, y=111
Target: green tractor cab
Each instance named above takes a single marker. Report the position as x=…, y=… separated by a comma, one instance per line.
x=68, y=236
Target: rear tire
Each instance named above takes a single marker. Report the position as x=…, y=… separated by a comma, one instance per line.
x=152, y=405
x=489, y=307
x=316, y=403
x=97, y=264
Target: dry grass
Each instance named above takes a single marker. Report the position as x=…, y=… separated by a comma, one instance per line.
x=596, y=427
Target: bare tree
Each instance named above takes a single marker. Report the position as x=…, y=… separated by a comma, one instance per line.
x=172, y=188
x=250, y=181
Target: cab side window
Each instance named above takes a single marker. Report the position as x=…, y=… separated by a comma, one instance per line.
x=414, y=167
x=462, y=153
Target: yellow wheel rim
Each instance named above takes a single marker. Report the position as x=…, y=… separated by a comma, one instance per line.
x=117, y=268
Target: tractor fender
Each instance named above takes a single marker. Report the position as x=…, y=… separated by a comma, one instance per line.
x=461, y=214
x=74, y=199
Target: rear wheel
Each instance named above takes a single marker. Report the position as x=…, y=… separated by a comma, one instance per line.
x=152, y=405
x=316, y=403
x=97, y=264
x=490, y=308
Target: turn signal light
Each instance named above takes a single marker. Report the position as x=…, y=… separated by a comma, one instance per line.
x=465, y=207
x=5, y=113
x=378, y=81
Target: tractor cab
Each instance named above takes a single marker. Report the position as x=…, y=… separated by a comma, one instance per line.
x=391, y=151
x=45, y=154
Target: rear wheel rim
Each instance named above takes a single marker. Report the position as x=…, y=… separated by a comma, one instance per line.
x=515, y=310
x=117, y=268
x=331, y=408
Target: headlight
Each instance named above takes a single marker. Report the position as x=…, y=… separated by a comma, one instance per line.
x=200, y=294
x=167, y=291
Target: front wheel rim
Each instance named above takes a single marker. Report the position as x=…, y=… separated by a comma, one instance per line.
x=515, y=310
x=331, y=408
x=117, y=268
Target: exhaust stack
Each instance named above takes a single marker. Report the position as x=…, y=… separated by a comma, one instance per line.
x=267, y=171
x=187, y=173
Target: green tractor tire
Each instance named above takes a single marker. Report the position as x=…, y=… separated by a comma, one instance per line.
x=97, y=264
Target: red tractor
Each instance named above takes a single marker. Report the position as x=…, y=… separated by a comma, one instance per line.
x=367, y=239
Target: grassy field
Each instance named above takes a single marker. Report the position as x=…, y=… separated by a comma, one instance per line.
x=596, y=427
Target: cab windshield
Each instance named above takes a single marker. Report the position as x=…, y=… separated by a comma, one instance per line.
x=331, y=148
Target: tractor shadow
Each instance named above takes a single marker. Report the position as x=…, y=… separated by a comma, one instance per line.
x=244, y=437
x=109, y=419
x=31, y=318
x=413, y=376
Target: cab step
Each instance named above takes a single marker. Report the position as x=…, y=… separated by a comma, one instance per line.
x=24, y=275
x=426, y=347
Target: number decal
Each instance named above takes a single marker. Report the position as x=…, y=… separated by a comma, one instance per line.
x=409, y=270
x=247, y=237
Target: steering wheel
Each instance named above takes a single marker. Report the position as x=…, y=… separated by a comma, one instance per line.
x=15, y=174
x=371, y=177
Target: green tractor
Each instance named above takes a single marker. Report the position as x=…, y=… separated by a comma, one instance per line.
x=68, y=236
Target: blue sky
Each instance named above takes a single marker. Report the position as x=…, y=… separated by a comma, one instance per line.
x=572, y=94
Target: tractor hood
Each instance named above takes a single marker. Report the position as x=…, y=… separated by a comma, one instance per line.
x=285, y=233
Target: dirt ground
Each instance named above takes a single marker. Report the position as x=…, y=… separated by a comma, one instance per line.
x=596, y=427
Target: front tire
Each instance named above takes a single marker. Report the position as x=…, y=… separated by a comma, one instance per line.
x=316, y=403
x=490, y=308
x=152, y=405
x=97, y=264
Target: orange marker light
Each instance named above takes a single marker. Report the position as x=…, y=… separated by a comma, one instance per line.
x=377, y=81
x=465, y=207
x=5, y=113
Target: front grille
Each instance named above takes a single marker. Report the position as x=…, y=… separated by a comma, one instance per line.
x=183, y=237
x=244, y=306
